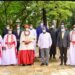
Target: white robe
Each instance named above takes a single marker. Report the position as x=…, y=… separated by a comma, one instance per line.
x=1, y=44
x=29, y=46
x=71, y=51
x=33, y=33
x=9, y=55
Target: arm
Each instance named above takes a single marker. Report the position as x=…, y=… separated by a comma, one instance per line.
x=22, y=38
x=15, y=40
x=39, y=41
x=50, y=40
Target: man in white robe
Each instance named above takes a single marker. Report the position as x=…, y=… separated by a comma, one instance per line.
x=71, y=51
x=26, y=50
x=44, y=43
x=10, y=51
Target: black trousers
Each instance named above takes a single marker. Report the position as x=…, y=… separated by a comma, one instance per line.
x=39, y=53
x=18, y=44
x=53, y=51
x=63, y=55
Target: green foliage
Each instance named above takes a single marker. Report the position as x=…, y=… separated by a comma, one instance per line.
x=31, y=12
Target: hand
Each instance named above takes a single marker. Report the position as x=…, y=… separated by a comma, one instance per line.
x=27, y=42
x=3, y=48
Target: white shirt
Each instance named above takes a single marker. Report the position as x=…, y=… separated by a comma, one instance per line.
x=18, y=31
x=45, y=40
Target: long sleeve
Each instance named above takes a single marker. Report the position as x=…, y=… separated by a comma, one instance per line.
x=39, y=41
x=21, y=38
x=50, y=40
x=15, y=40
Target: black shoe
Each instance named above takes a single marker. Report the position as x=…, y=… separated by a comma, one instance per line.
x=23, y=64
x=42, y=64
x=46, y=64
x=54, y=57
x=65, y=64
x=61, y=64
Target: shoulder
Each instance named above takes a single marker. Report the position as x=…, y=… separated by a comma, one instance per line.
x=5, y=35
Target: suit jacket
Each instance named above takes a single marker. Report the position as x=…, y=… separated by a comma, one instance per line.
x=65, y=42
x=53, y=36
x=16, y=34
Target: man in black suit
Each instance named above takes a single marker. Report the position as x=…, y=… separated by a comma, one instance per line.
x=17, y=33
x=53, y=47
x=63, y=42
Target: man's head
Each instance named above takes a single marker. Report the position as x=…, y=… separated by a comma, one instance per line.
x=41, y=25
x=8, y=27
x=44, y=30
x=53, y=26
x=74, y=27
x=31, y=26
x=62, y=26
x=26, y=26
x=10, y=31
x=18, y=26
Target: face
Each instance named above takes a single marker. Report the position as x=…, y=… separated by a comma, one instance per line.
x=7, y=26
x=73, y=27
x=31, y=27
x=62, y=30
x=41, y=25
x=44, y=30
x=27, y=29
x=10, y=32
x=62, y=26
x=52, y=26
x=18, y=27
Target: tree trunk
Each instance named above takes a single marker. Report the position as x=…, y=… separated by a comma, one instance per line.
x=44, y=17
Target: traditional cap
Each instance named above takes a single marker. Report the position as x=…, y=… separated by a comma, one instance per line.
x=26, y=26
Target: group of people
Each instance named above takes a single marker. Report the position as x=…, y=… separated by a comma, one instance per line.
x=19, y=46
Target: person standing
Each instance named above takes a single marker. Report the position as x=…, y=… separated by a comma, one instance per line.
x=44, y=43
x=17, y=33
x=63, y=41
x=54, y=40
x=39, y=31
x=26, y=53
x=9, y=56
x=71, y=51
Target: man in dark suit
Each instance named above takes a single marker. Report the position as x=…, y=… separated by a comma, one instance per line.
x=17, y=33
x=63, y=42
x=53, y=47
